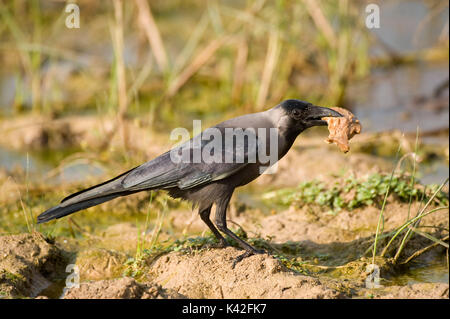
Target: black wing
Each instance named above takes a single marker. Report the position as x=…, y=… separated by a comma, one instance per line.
x=170, y=170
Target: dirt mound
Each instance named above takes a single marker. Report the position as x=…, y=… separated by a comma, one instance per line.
x=27, y=264
x=123, y=288
x=209, y=274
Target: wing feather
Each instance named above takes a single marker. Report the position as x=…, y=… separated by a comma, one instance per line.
x=163, y=172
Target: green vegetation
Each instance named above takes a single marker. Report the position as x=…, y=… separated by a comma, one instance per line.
x=351, y=193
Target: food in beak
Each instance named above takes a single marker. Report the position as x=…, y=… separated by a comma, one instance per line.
x=342, y=129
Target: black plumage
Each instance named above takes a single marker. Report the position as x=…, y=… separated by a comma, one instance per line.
x=207, y=183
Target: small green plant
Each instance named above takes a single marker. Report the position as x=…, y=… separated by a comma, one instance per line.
x=351, y=193
x=134, y=267
x=293, y=263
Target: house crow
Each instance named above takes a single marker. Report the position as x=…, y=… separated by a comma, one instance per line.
x=212, y=178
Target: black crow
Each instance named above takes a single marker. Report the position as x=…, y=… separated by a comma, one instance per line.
x=206, y=169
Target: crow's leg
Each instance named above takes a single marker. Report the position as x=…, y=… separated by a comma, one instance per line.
x=204, y=215
x=221, y=223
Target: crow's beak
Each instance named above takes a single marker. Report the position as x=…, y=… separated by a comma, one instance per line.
x=316, y=113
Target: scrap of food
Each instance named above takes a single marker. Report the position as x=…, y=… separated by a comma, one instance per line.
x=342, y=129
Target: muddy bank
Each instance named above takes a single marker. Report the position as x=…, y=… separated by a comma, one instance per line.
x=29, y=133
x=28, y=264
x=208, y=274
x=312, y=254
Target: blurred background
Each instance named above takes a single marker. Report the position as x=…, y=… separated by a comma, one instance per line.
x=85, y=103
x=82, y=105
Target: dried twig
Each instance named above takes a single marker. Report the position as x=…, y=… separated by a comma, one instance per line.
x=118, y=41
x=273, y=50
x=321, y=21
x=239, y=68
x=201, y=59
x=117, y=37
x=423, y=250
x=151, y=30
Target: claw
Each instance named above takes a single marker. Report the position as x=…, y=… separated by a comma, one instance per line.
x=245, y=255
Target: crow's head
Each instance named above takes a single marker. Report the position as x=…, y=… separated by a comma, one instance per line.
x=302, y=115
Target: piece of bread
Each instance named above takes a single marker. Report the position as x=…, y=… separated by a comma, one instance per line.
x=342, y=129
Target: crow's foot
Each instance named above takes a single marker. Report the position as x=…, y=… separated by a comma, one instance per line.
x=247, y=253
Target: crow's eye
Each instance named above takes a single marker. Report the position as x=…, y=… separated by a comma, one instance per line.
x=296, y=113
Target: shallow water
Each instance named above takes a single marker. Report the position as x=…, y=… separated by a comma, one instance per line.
x=436, y=272
x=40, y=166
x=388, y=99
x=55, y=290
x=10, y=160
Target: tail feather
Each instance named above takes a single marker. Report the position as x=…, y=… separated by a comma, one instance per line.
x=86, y=198
x=61, y=211
x=112, y=185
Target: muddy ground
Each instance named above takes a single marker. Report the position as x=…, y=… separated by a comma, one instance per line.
x=310, y=252
x=30, y=265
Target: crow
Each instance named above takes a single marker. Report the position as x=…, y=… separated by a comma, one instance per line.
x=205, y=171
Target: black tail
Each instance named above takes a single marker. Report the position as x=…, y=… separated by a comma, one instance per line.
x=87, y=198
x=61, y=211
